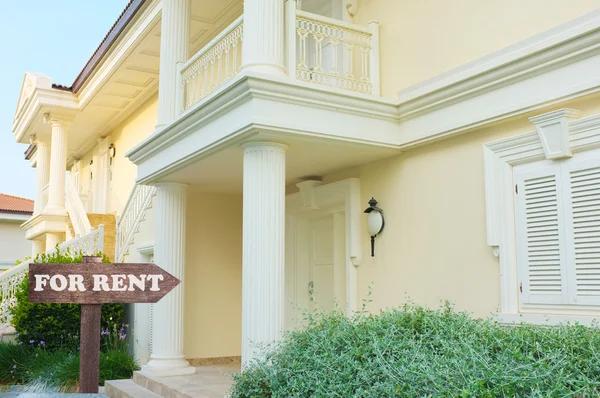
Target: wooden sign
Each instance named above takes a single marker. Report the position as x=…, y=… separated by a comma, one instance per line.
x=92, y=284
x=98, y=283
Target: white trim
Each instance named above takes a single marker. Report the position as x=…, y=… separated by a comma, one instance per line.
x=14, y=217
x=499, y=159
x=344, y=196
x=6, y=264
x=544, y=319
x=146, y=249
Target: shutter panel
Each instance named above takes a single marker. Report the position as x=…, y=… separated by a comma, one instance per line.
x=582, y=218
x=541, y=256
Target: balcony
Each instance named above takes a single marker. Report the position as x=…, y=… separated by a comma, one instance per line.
x=320, y=50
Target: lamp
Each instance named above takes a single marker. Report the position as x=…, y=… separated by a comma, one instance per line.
x=375, y=222
x=112, y=151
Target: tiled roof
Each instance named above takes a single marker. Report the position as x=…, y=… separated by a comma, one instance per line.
x=14, y=204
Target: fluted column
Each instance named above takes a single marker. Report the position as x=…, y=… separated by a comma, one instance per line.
x=41, y=175
x=263, y=295
x=167, y=357
x=53, y=239
x=58, y=166
x=174, y=37
x=263, y=49
x=37, y=247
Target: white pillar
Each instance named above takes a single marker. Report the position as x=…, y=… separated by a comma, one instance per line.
x=58, y=167
x=167, y=357
x=174, y=38
x=263, y=49
x=41, y=175
x=53, y=239
x=100, y=180
x=263, y=293
x=37, y=247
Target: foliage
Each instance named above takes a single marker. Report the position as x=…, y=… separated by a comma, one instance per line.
x=21, y=364
x=55, y=326
x=420, y=352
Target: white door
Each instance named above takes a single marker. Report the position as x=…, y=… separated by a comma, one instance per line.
x=316, y=266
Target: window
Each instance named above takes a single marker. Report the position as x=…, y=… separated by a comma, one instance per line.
x=557, y=225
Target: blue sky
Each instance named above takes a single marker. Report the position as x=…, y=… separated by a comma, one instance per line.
x=55, y=38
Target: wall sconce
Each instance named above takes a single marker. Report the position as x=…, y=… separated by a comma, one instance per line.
x=112, y=151
x=375, y=222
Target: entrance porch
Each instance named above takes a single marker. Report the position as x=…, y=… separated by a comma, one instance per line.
x=257, y=238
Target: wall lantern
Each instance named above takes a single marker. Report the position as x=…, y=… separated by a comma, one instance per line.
x=375, y=222
x=112, y=151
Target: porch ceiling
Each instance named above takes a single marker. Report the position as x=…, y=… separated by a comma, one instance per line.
x=222, y=171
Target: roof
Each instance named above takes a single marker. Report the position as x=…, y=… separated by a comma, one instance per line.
x=15, y=204
x=111, y=37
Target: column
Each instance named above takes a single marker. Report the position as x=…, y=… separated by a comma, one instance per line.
x=37, y=247
x=167, y=357
x=53, y=239
x=100, y=181
x=41, y=175
x=58, y=166
x=174, y=38
x=263, y=49
x=263, y=295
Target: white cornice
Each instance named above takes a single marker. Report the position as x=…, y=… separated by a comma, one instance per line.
x=249, y=86
x=576, y=38
x=14, y=217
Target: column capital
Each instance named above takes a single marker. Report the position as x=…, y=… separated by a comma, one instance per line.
x=63, y=119
x=264, y=144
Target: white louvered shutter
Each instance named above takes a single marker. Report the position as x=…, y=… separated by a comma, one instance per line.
x=540, y=235
x=581, y=177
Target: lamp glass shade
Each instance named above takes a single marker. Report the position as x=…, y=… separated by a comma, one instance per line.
x=374, y=222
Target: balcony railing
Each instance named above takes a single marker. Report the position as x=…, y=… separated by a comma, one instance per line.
x=319, y=50
x=213, y=66
x=76, y=210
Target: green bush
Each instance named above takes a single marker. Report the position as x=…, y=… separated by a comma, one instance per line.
x=419, y=352
x=55, y=326
x=26, y=364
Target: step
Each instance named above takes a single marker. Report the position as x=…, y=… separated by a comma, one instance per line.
x=157, y=387
x=127, y=389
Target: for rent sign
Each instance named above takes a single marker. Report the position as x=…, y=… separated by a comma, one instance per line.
x=98, y=283
x=92, y=284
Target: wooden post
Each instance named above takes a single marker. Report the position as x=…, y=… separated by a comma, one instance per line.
x=89, y=342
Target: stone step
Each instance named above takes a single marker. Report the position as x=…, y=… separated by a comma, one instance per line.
x=157, y=387
x=127, y=389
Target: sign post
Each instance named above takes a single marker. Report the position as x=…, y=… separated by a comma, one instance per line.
x=91, y=284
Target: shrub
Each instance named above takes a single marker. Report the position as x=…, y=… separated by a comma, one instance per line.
x=21, y=364
x=55, y=326
x=419, y=352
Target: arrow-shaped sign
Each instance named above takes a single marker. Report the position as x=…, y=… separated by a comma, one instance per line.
x=98, y=283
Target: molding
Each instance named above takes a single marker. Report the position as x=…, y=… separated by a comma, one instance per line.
x=553, y=130
x=146, y=249
x=499, y=159
x=345, y=193
x=44, y=224
x=307, y=192
x=6, y=264
x=14, y=217
x=547, y=69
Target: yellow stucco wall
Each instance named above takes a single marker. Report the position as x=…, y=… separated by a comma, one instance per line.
x=434, y=244
x=137, y=127
x=423, y=38
x=213, y=275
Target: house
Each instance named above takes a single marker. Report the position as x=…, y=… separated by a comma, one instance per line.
x=237, y=145
x=13, y=246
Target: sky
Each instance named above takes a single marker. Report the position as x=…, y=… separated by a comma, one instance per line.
x=52, y=37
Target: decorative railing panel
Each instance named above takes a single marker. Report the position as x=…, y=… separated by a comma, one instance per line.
x=76, y=210
x=92, y=243
x=333, y=52
x=213, y=66
x=134, y=212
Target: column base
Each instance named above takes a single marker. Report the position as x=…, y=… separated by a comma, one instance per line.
x=267, y=69
x=162, y=367
x=55, y=210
